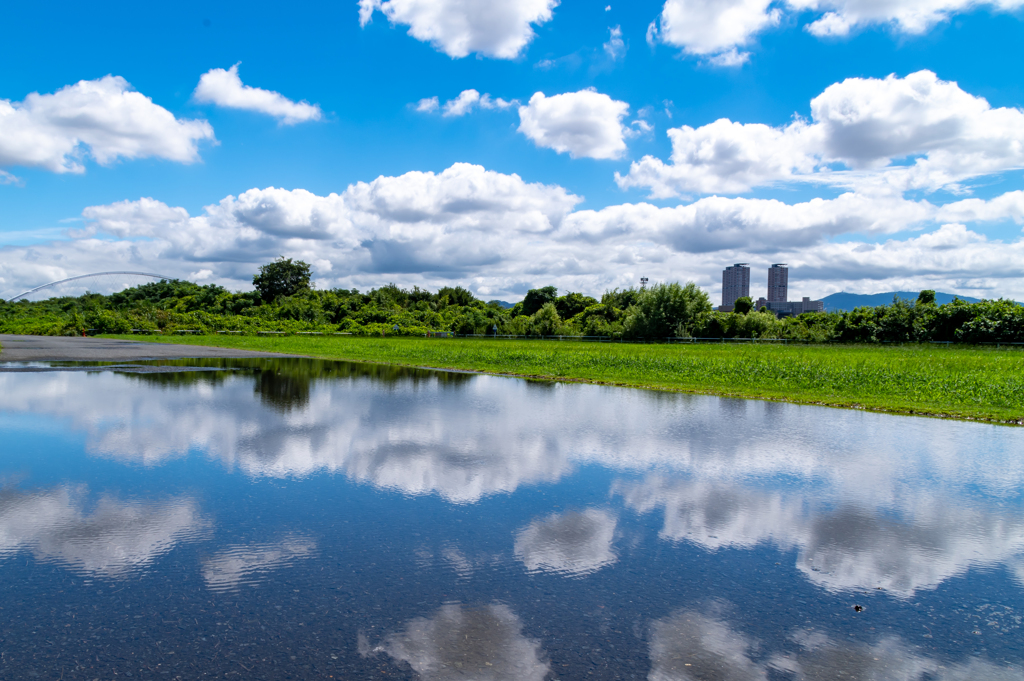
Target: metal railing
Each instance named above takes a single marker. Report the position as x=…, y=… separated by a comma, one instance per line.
x=583, y=339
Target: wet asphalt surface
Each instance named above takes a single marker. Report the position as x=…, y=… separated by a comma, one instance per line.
x=74, y=349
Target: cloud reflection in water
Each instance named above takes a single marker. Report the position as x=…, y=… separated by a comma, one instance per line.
x=575, y=543
x=694, y=644
x=111, y=540
x=848, y=546
x=482, y=643
x=864, y=503
x=240, y=564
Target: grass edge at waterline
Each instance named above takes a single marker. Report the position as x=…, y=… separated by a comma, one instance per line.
x=968, y=383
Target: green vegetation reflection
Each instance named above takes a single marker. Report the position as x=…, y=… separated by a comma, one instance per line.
x=956, y=381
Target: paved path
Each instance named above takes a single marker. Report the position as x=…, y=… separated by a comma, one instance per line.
x=71, y=349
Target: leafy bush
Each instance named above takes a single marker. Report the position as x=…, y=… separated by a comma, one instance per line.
x=547, y=322
x=666, y=310
x=537, y=298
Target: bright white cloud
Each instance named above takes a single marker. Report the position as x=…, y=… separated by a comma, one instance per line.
x=714, y=28
x=145, y=217
x=716, y=223
x=500, y=235
x=225, y=88
x=718, y=29
x=496, y=28
x=428, y=105
x=465, y=103
x=103, y=118
x=583, y=124
x=723, y=157
x=615, y=48
x=487, y=102
x=904, y=16
x=1009, y=206
x=868, y=127
x=461, y=105
x=732, y=57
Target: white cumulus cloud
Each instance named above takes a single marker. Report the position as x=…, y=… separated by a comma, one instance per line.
x=718, y=29
x=496, y=28
x=461, y=105
x=428, y=105
x=102, y=118
x=225, y=88
x=862, y=131
x=903, y=16
x=583, y=124
x=501, y=235
x=714, y=28
x=465, y=103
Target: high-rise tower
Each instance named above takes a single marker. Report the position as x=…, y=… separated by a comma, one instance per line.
x=778, y=283
x=735, y=283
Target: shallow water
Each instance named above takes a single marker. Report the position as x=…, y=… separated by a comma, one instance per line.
x=300, y=519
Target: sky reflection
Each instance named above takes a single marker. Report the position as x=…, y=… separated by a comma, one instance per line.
x=865, y=505
x=316, y=518
x=110, y=539
x=483, y=643
x=703, y=644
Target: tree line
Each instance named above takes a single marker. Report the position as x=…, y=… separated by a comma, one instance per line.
x=284, y=301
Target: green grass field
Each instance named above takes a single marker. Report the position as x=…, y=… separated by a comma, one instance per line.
x=959, y=382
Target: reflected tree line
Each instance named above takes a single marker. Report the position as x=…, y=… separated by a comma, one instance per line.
x=286, y=383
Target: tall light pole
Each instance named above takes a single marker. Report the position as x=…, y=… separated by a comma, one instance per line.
x=643, y=282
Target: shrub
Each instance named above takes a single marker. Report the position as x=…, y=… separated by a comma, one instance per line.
x=664, y=310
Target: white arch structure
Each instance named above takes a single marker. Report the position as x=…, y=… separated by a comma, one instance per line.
x=86, y=276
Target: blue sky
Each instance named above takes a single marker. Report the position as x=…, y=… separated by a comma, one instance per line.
x=671, y=138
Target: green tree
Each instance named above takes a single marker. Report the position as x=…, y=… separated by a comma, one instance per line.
x=571, y=304
x=926, y=297
x=281, y=278
x=743, y=305
x=537, y=298
x=547, y=322
x=456, y=296
x=620, y=299
x=665, y=310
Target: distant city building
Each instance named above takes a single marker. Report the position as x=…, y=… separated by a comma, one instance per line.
x=735, y=284
x=778, y=283
x=786, y=308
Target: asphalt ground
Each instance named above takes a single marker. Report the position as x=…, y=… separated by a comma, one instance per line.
x=75, y=349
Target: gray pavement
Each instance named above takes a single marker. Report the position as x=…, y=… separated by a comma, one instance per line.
x=72, y=349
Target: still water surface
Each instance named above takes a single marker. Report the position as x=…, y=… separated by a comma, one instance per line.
x=298, y=519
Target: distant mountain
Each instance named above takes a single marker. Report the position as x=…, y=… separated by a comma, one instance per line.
x=502, y=303
x=839, y=302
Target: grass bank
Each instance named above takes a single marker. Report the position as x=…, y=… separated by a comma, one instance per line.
x=951, y=381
